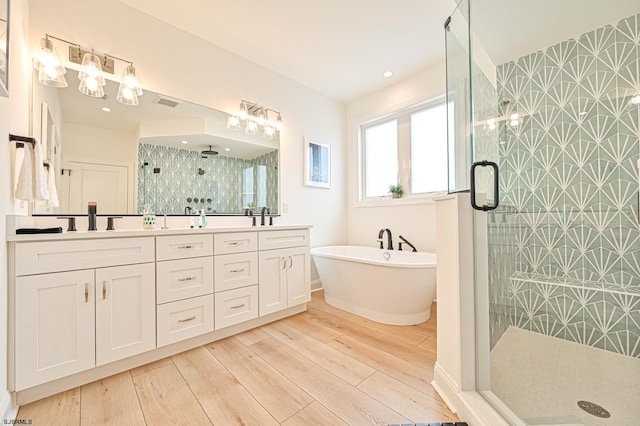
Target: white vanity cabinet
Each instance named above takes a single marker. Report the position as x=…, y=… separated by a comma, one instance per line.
x=71, y=321
x=125, y=302
x=185, y=287
x=236, y=278
x=285, y=269
x=86, y=306
x=54, y=321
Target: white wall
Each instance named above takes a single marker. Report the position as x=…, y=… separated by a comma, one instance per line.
x=183, y=66
x=416, y=222
x=14, y=118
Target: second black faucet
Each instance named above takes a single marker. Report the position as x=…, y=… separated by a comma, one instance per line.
x=389, y=238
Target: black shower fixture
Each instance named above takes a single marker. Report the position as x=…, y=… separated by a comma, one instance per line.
x=208, y=152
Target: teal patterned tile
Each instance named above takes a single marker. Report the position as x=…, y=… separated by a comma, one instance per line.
x=570, y=170
x=628, y=29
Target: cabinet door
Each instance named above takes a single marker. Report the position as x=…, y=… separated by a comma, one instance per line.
x=298, y=276
x=125, y=311
x=272, y=288
x=55, y=318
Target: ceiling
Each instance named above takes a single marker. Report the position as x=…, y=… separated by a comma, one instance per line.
x=341, y=48
x=155, y=123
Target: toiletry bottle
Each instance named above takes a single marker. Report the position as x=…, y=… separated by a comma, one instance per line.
x=203, y=219
x=148, y=218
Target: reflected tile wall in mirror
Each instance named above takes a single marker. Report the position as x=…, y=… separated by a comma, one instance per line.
x=168, y=177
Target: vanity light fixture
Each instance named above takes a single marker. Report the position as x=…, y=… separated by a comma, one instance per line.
x=49, y=65
x=510, y=117
x=255, y=118
x=233, y=122
x=92, y=66
x=92, y=81
x=251, y=127
x=129, y=89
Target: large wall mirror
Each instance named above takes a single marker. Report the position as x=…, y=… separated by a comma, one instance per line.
x=4, y=47
x=165, y=155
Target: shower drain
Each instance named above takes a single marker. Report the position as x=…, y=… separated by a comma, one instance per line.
x=594, y=409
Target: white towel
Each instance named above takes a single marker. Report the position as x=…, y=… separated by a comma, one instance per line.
x=32, y=180
x=51, y=184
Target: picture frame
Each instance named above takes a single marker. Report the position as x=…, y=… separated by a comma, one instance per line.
x=4, y=48
x=317, y=163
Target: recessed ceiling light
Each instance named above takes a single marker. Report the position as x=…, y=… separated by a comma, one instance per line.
x=105, y=109
x=387, y=74
x=184, y=142
x=227, y=149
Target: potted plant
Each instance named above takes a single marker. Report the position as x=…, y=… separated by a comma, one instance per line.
x=396, y=191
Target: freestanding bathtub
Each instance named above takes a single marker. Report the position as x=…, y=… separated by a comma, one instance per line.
x=387, y=286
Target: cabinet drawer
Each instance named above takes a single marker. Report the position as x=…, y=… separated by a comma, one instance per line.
x=235, y=242
x=184, y=319
x=235, y=270
x=54, y=256
x=184, y=246
x=184, y=278
x=269, y=240
x=236, y=306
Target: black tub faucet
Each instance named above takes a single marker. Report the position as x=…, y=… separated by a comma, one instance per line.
x=389, y=238
x=404, y=240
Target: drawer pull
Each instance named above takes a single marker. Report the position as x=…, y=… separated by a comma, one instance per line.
x=187, y=319
x=237, y=306
x=104, y=290
x=235, y=243
x=290, y=261
x=186, y=247
x=186, y=279
x=234, y=271
x=284, y=263
x=86, y=292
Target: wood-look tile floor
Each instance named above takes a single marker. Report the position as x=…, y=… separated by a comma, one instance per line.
x=321, y=367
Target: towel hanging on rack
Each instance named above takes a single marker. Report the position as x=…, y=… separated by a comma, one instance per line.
x=32, y=179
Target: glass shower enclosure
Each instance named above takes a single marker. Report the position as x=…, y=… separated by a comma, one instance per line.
x=553, y=138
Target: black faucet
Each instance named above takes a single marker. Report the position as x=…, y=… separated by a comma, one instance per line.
x=406, y=242
x=264, y=209
x=187, y=210
x=389, y=238
x=93, y=210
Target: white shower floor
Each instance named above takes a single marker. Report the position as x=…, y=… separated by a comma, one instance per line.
x=542, y=378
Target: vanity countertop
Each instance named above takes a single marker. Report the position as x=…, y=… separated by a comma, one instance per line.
x=123, y=233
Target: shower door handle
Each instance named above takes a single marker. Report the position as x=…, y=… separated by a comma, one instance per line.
x=496, y=185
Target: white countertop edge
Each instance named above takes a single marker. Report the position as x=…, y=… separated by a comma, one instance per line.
x=123, y=233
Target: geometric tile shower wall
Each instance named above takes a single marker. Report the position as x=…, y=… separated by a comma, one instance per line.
x=567, y=232
x=221, y=187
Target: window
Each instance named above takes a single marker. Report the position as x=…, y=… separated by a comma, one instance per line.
x=408, y=147
x=381, y=158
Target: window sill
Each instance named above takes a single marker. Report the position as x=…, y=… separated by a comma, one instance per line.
x=392, y=202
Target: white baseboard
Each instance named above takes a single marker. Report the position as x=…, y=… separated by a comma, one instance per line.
x=7, y=409
x=316, y=285
x=470, y=406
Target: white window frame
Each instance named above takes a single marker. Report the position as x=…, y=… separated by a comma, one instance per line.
x=403, y=116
